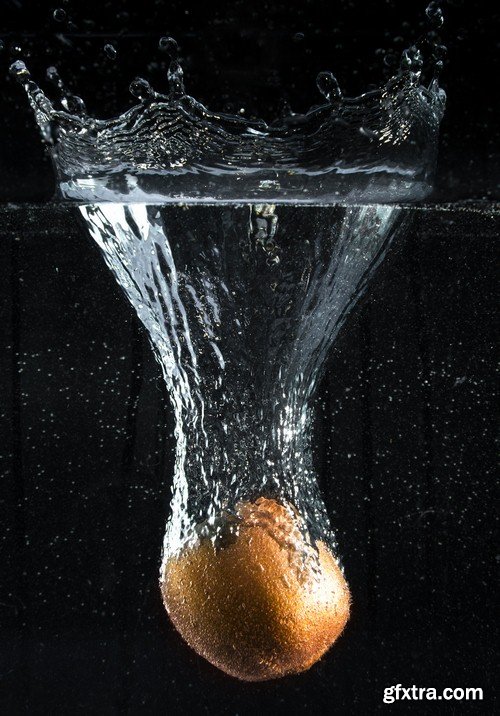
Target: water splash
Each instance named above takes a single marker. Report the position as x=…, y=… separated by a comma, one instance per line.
x=242, y=301
x=241, y=339
x=380, y=146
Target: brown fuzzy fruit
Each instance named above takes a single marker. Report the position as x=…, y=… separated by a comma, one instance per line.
x=248, y=607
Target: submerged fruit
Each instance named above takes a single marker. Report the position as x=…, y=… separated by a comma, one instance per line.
x=262, y=604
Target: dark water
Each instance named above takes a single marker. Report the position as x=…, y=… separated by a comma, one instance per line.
x=404, y=452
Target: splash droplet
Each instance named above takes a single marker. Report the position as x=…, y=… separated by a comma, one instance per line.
x=435, y=14
x=328, y=86
x=70, y=102
x=412, y=61
x=74, y=104
x=52, y=75
x=175, y=79
x=19, y=71
x=169, y=45
x=438, y=56
x=141, y=89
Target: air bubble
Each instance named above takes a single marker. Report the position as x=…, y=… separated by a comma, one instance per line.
x=59, y=14
x=110, y=51
x=390, y=60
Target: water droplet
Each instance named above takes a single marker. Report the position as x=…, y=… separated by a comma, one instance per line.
x=2, y=45
x=434, y=14
x=59, y=14
x=411, y=59
x=440, y=51
x=70, y=102
x=141, y=89
x=52, y=75
x=74, y=104
x=169, y=45
x=110, y=51
x=328, y=86
x=298, y=37
x=175, y=77
x=19, y=70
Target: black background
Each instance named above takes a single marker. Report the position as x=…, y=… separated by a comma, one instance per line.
x=406, y=415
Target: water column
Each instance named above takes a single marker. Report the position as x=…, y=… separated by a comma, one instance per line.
x=241, y=304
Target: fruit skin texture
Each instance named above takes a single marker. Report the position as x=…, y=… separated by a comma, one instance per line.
x=246, y=608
